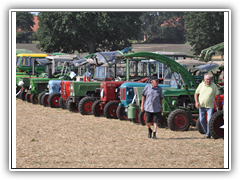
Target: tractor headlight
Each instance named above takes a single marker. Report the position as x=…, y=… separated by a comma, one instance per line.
x=174, y=102
x=102, y=93
x=48, y=86
x=20, y=83
x=30, y=87
x=128, y=93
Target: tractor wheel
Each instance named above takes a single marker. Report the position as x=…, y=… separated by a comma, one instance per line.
x=22, y=95
x=136, y=119
x=178, y=120
x=85, y=105
x=162, y=123
x=199, y=127
x=192, y=122
x=54, y=100
x=215, y=123
x=62, y=103
x=34, y=99
x=96, y=109
x=121, y=113
x=44, y=100
x=71, y=106
x=40, y=97
x=141, y=117
x=110, y=109
x=28, y=97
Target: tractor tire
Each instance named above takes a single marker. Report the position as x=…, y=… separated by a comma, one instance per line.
x=199, y=127
x=192, y=122
x=110, y=110
x=34, y=99
x=28, y=97
x=22, y=95
x=178, y=120
x=85, y=105
x=44, y=100
x=141, y=118
x=62, y=103
x=96, y=110
x=121, y=114
x=53, y=100
x=136, y=119
x=71, y=106
x=215, y=123
x=40, y=97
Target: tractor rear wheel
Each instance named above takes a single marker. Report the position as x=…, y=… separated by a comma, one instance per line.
x=85, y=105
x=121, y=113
x=141, y=118
x=215, y=123
x=34, y=99
x=110, y=109
x=136, y=119
x=44, y=100
x=96, y=109
x=54, y=100
x=178, y=120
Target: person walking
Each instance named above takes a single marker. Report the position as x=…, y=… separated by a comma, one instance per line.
x=204, y=101
x=152, y=99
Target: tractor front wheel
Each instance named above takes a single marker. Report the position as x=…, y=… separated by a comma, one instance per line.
x=62, y=103
x=44, y=100
x=71, y=106
x=121, y=113
x=215, y=123
x=199, y=127
x=178, y=120
x=85, y=105
x=141, y=118
x=96, y=108
x=40, y=97
x=110, y=109
x=28, y=97
x=54, y=100
x=22, y=95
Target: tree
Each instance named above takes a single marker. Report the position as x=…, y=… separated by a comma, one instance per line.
x=87, y=31
x=24, y=21
x=204, y=29
x=163, y=27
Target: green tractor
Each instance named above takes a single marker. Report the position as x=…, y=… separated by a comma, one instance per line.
x=178, y=102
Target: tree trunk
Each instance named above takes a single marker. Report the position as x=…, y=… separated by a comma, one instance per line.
x=91, y=47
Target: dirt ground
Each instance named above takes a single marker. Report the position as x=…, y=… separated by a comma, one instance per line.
x=56, y=138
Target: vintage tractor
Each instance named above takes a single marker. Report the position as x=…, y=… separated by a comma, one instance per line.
x=24, y=63
x=178, y=104
x=109, y=101
x=83, y=94
x=55, y=70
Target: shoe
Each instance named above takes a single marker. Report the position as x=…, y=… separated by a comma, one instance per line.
x=154, y=135
x=208, y=137
x=149, y=133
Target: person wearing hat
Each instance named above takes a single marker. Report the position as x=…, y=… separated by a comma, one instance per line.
x=152, y=99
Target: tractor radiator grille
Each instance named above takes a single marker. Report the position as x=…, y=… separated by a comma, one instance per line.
x=42, y=86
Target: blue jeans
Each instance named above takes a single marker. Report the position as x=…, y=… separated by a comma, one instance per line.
x=202, y=113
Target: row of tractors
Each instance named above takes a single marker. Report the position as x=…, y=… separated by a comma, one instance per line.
x=110, y=84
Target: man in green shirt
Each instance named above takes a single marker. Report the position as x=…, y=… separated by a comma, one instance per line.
x=204, y=101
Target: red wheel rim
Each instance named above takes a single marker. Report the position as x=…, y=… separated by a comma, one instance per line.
x=24, y=95
x=55, y=101
x=123, y=113
x=180, y=121
x=112, y=110
x=99, y=110
x=87, y=107
x=29, y=97
x=219, y=122
x=46, y=99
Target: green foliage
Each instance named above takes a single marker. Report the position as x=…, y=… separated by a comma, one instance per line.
x=24, y=21
x=163, y=27
x=204, y=29
x=87, y=31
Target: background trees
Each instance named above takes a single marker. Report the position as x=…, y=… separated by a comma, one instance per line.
x=106, y=31
x=87, y=31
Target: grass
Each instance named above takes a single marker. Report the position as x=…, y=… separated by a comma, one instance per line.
x=98, y=142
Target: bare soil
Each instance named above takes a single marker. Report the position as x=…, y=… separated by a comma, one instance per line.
x=56, y=138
